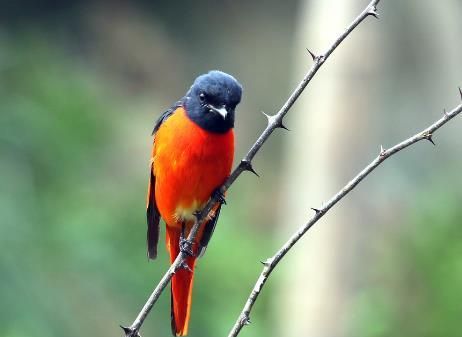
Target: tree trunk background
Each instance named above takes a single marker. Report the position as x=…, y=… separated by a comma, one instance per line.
x=389, y=78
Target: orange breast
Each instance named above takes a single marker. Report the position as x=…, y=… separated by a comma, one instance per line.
x=189, y=163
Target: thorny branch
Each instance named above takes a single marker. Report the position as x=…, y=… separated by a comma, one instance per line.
x=272, y=262
x=274, y=122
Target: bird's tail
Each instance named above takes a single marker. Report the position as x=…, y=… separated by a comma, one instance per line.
x=181, y=287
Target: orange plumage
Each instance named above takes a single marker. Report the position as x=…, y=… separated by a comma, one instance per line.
x=192, y=156
x=189, y=163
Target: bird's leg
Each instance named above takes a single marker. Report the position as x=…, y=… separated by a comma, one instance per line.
x=185, y=244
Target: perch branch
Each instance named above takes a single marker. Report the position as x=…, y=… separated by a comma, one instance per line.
x=272, y=262
x=274, y=122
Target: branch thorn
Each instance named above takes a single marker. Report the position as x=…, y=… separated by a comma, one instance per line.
x=130, y=332
x=460, y=92
x=271, y=119
x=373, y=12
x=316, y=210
x=266, y=115
x=282, y=126
x=312, y=55
x=382, y=151
x=247, y=166
x=266, y=263
x=428, y=136
x=445, y=112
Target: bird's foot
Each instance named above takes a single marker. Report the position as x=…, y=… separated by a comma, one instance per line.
x=186, y=246
x=219, y=196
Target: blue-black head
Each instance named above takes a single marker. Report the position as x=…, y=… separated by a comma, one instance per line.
x=212, y=99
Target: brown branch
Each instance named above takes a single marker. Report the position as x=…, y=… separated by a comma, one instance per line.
x=274, y=122
x=272, y=262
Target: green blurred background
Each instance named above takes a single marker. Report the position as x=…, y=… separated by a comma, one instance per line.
x=81, y=84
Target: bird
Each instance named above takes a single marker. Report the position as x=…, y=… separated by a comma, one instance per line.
x=192, y=156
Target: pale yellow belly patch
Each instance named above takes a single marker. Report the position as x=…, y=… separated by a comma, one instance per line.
x=187, y=213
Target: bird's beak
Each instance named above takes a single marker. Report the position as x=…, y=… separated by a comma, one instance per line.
x=221, y=111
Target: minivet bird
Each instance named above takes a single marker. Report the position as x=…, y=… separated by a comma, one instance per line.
x=192, y=156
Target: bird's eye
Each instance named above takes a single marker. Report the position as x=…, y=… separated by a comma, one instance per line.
x=202, y=96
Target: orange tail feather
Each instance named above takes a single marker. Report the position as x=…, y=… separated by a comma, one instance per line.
x=181, y=287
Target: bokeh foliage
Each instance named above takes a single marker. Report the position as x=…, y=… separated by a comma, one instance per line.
x=72, y=245
x=78, y=95
x=415, y=287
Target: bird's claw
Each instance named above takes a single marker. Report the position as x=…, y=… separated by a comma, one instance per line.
x=219, y=196
x=186, y=246
x=197, y=215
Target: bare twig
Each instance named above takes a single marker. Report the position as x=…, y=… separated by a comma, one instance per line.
x=272, y=262
x=274, y=122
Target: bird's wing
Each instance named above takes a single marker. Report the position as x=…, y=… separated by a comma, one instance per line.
x=209, y=228
x=153, y=218
x=152, y=212
x=166, y=115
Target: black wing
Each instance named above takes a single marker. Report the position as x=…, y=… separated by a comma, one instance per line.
x=209, y=228
x=166, y=115
x=152, y=212
x=153, y=218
